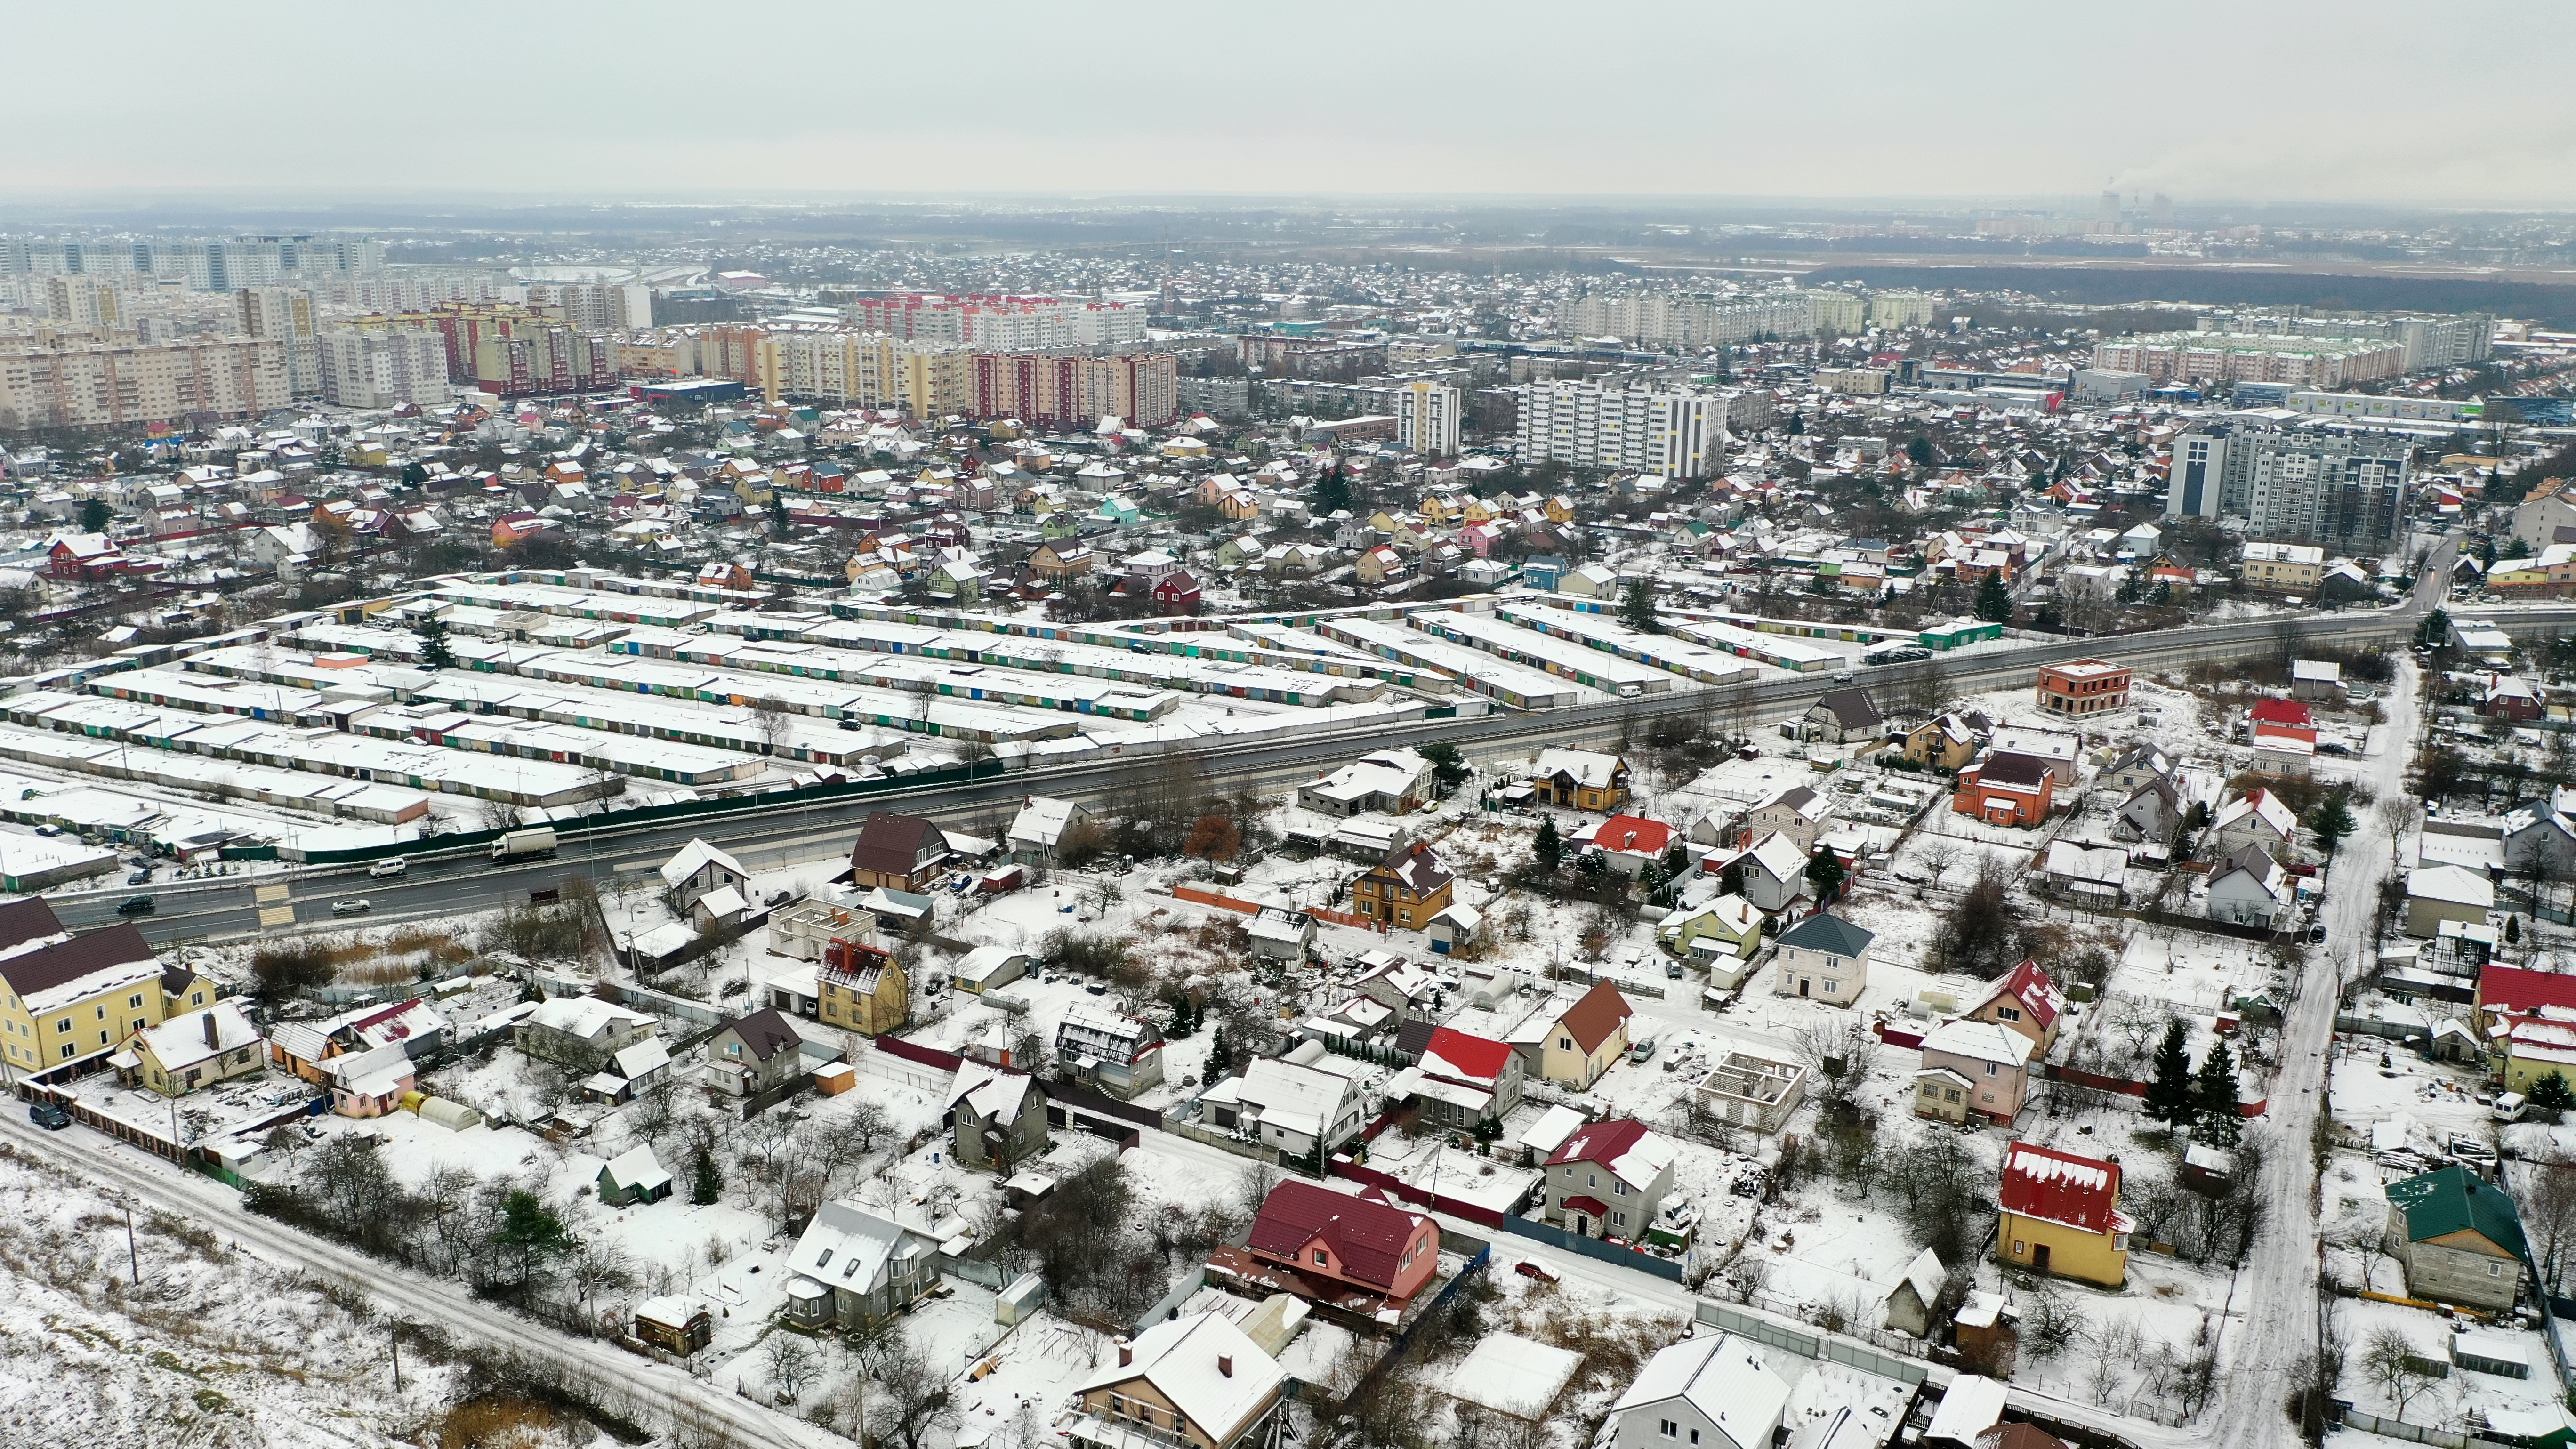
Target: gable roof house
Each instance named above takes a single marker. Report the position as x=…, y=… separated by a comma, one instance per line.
x=898, y=852
x=2256, y=817
x=861, y=987
x=1288, y=1106
x=2438, y=893
x=1121, y=1055
x=2459, y=1237
x=1574, y=1045
x=2152, y=815
x=1333, y=1240
x=195, y=1049
x=1406, y=889
x=2006, y=788
x=1712, y=1392
x=1390, y=782
x=1196, y=1380
x=1774, y=874
x=1040, y=826
x=1973, y=1068
x=752, y=1054
x=1842, y=716
x=1608, y=1180
x=2249, y=888
x=996, y=1119
x=1793, y=811
x=700, y=870
x=1462, y=1080
x=2061, y=1214
x=854, y=1266
x=2025, y=999
x=1582, y=779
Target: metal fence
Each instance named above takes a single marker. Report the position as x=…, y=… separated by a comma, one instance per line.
x=1573, y=1242
x=1830, y=1347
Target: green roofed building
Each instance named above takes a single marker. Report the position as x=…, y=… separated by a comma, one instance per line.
x=2459, y=1238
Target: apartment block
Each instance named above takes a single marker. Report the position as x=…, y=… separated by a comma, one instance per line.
x=1587, y=425
x=2253, y=357
x=2291, y=485
x=1001, y=322
x=1682, y=319
x=110, y=380
x=1428, y=417
x=383, y=369
x=1049, y=389
x=286, y=315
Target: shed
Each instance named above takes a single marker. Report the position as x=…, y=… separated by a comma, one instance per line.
x=1512, y=1375
x=676, y=1324
x=633, y=1177
x=2491, y=1353
x=1969, y=1407
x=1910, y=1298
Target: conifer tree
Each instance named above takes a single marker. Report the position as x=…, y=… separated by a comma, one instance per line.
x=2169, y=1092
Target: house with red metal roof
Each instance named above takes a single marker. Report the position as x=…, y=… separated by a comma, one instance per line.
x=1608, y=1180
x=1463, y=1080
x=2025, y=1000
x=2061, y=1214
x=1629, y=842
x=2284, y=719
x=1317, y=1233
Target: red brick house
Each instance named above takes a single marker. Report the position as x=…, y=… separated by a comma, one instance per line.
x=2083, y=686
x=1364, y=1243
x=2007, y=789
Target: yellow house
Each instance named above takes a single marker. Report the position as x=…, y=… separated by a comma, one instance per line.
x=862, y=988
x=1559, y=509
x=1730, y=925
x=2061, y=1214
x=1946, y=743
x=1475, y=510
x=2288, y=567
x=1581, y=1042
x=64, y=997
x=192, y=1050
x=1439, y=509
x=1240, y=505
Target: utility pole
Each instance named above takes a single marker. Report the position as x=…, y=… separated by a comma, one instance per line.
x=133, y=1261
x=395, y=1342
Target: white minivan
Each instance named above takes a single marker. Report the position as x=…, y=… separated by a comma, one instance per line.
x=2509, y=1107
x=392, y=865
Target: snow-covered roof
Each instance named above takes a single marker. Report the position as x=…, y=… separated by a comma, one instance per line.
x=1980, y=1041
x=1970, y=1406
x=988, y=1091
x=2262, y=805
x=1724, y=1378
x=1513, y=1375
x=637, y=1167
x=693, y=857
x=1549, y=1132
x=2455, y=885
x=1042, y=820
x=848, y=1246
x=1300, y=1098
x=183, y=1041
x=1204, y=1366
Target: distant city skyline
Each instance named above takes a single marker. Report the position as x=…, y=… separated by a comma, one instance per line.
x=2351, y=102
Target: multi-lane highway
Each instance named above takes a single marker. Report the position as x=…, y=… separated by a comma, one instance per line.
x=460, y=882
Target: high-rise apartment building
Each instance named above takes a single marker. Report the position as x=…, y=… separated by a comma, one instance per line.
x=995, y=321
x=843, y=366
x=286, y=315
x=2430, y=339
x=1836, y=314
x=599, y=306
x=1428, y=418
x=2292, y=485
x=508, y=349
x=1587, y=425
x=383, y=369
x=206, y=266
x=74, y=301
x=110, y=380
x=1051, y=389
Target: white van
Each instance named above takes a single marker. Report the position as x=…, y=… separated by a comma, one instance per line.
x=2509, y=1107
x=391, y=865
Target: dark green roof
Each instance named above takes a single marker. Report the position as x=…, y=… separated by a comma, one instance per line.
x=2454, y=1198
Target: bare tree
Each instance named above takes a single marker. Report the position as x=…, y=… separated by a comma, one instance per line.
x=792, y=1362
x=769, y=716
x=913, y=1402
x=2391, y=1362
x=597, y=1264
x=2547, y=1192
x=1837, y=1050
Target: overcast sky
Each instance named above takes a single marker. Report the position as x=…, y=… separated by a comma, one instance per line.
x=2455, y=102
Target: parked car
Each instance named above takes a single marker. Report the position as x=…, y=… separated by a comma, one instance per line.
x=1640, y=1049
x=142, y=876
x=136, y=906
x=1528, y=1269
x=394, y=866
x=1843, y=678
x=49, y=1115
x=352, y=906
x=2317, y=934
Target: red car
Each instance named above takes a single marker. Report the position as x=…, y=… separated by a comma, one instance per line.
x=1528, y=1269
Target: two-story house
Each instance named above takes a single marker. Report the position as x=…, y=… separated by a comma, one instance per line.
x=1823, y=958
x=1573, y=1044
x=1711, y=1392
x=699, y=871
x=2027, y=1000
x=1465, y=1080
x=1972, y=1068
x=1343, y=1240
x=64, y=996
x=752, y=1054
x=1288, y=1106
x=996, y=1119
x=2256, y=817
x=580, y=1032
x=1580, y=779
x=2459, y=1238
x=1608, y=1180
x=1842, y=717
x=860, y=987
x=2060, y=1213
x=1191, y=1382
x=898, y=852
x=854, y=1267
x=1121, y=1055
x=1793, y=812
x=1406, y=889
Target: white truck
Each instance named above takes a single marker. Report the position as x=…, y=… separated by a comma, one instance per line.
x=524, y=844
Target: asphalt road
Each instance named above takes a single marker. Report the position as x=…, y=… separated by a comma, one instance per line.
x=763, y=837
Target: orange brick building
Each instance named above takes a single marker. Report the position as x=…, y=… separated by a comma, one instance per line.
x=2083, y=686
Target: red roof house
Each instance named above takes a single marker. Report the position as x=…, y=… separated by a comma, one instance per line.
x=2026, y=1000
x=2062, y=1187
x=1461, y=1056
x=2513, y=991
x=1359, y=1241
x=1633, y=835
x=2284, y=718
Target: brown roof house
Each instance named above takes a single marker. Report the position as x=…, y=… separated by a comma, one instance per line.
x=1841, y=717
x=1573, y=1045
x=1406, y=889
x=752, y=1054
x=1195, y=1381
x=898, y=852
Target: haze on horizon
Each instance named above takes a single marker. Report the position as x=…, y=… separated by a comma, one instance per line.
x=2362, y=101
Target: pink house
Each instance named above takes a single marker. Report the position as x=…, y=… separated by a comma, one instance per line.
x=370, y=1083
x=1972, y=1069
x=1479, y=539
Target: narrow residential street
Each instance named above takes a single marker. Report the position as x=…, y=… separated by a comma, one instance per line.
x=2274, y=1306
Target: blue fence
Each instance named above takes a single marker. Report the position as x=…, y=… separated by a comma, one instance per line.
x=1592, y=1247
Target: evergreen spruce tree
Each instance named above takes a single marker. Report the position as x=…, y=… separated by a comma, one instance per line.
x=2332, y=822
x=2169, y=1092
x=2552, y=1092
x=706, y=1185
x=1637, y=608
x=1994, y=601
x=2513, y=930
x=1548, y=850
x=2214, y=1094
x=433, y=644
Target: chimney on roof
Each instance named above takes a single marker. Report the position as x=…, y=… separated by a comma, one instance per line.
x=210, y=1028
x=1126, y=1354
x=1225, y=1364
